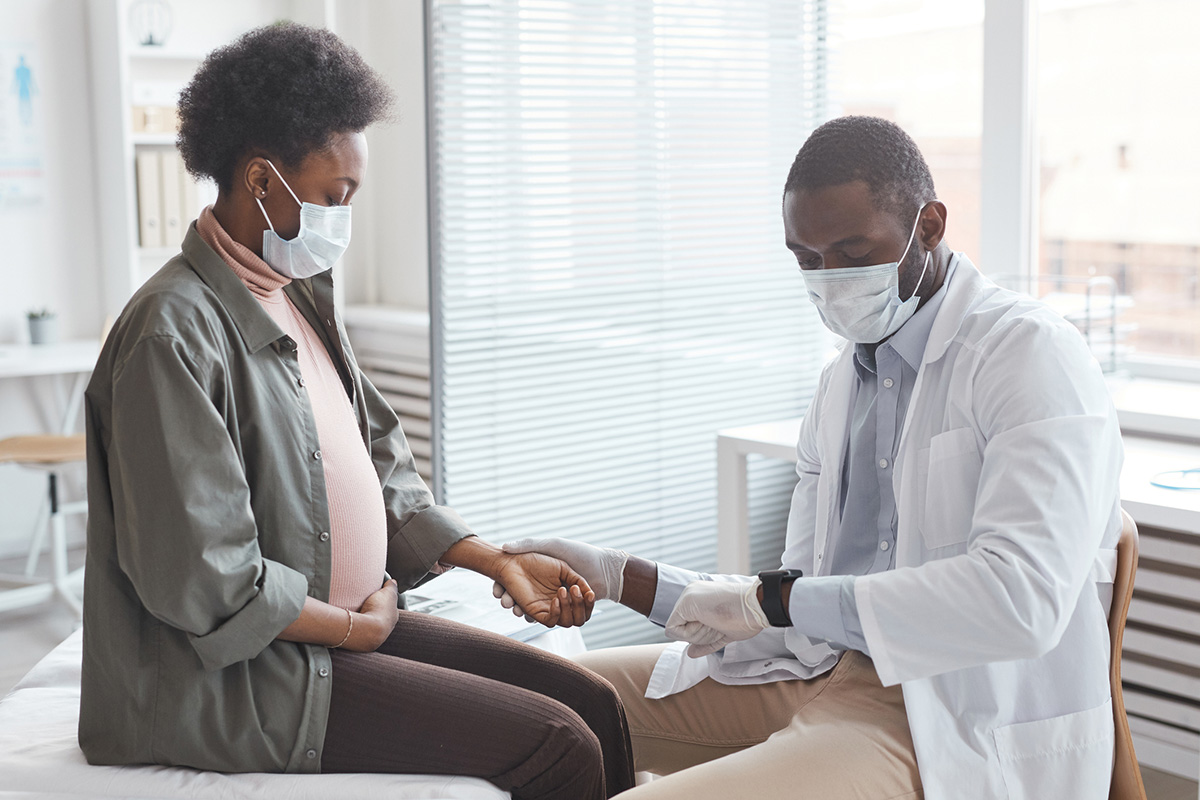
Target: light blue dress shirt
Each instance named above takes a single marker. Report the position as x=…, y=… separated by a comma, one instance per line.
x=865, y=538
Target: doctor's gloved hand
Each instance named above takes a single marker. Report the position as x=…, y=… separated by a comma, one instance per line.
x=711, y=614
x=603, y=568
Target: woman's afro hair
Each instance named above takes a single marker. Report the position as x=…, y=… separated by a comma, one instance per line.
x=284, y=90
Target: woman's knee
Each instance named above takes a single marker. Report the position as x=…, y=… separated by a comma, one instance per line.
x=568, y=762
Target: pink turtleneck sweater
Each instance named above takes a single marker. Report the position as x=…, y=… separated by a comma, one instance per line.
x=358, y=524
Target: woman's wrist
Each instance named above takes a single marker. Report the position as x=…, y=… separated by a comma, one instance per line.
x=363, y=637
x=349, y=630
x=477, y=555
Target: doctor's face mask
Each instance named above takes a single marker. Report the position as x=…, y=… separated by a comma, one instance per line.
x=840, y=236
x=862, y=304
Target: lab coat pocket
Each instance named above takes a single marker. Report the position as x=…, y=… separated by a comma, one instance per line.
x=951, y=480
x=1067, y=756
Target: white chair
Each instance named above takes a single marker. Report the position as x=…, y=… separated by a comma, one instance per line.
x=51, y=455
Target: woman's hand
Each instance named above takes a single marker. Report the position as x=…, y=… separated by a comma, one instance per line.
x=374, y=622
x=321, y=623
x=546, y=588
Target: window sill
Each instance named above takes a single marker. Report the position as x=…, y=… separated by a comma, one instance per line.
x=1156, y=407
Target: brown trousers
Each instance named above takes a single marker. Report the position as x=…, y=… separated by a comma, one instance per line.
x=448, y=699
x=839, y=736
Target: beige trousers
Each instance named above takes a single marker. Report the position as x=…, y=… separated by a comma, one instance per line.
x=840, y=736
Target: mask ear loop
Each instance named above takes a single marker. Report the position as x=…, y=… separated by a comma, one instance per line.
x=297, y=199
x=924, y=266
x=285, y=185
x=264, y=213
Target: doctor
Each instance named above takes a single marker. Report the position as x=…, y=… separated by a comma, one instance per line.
x=954, y=517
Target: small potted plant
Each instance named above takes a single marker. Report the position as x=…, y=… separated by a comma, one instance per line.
x=43, y=326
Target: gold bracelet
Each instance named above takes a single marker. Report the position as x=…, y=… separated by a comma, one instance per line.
x=346, y=638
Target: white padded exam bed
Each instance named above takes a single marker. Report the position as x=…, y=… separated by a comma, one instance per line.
x=40, y=757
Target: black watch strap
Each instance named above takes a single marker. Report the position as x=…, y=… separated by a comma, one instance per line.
x=772, y=592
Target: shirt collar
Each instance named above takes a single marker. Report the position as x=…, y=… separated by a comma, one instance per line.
x=256, y=326
x=909, y=342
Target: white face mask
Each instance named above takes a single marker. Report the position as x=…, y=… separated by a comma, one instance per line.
x=323, y=238
x=863, y=304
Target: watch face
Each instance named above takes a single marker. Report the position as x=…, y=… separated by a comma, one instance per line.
x=781, y=573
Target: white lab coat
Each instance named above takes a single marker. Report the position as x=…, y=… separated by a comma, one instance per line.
x=1006, y=483
x=994, y=620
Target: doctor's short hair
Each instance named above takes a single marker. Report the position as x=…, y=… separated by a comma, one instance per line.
x=284, y=89
x=869, y=149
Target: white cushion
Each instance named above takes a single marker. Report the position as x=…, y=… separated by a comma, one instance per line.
x=40, y=755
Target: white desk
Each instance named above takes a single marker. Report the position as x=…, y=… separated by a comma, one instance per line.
x=73, y=359
x=734, y=445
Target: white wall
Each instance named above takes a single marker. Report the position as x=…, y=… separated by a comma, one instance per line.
x=388, y=261
x=46, y=255
x=46, y=250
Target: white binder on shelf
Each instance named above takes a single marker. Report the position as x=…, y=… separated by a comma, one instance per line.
x=150, y=227
x=172, y=182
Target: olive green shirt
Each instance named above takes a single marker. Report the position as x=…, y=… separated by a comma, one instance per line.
x=208, y=525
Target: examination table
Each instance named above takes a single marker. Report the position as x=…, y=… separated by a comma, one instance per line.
x=40, y=755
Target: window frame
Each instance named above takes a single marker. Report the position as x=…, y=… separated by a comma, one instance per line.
x=1010, y=161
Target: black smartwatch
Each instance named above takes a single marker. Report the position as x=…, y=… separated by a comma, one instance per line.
x=772, y=590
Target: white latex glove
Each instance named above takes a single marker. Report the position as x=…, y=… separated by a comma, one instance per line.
x=602, y=567
x=711, y=614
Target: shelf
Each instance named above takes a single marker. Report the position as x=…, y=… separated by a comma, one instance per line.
x=167, y=139
x=155, y=54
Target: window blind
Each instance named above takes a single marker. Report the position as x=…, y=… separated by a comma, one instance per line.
x=610, y=285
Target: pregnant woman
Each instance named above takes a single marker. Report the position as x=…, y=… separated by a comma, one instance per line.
x=255, y=508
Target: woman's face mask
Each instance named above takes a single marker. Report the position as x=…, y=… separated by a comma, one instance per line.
x=862, y=304
x=323, y=238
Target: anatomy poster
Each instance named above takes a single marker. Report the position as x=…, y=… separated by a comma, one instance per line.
x=21, y=133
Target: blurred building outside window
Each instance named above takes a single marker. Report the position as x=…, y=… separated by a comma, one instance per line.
x=1118, y=164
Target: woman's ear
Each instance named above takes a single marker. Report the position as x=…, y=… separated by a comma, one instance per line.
x=256, y=177
x=932, y=227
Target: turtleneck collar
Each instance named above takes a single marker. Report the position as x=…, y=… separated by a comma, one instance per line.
x=264, y=282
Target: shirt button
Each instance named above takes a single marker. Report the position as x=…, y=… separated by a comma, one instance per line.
x=323, y=672
x=317, y=455
x=329, y=322
x=888, y=383
x=311, y=754
x=883, y=462
x=301, y=381
x=884, y=545
x=324, y=537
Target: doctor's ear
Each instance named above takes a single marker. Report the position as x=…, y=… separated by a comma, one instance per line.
x=932, y=227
